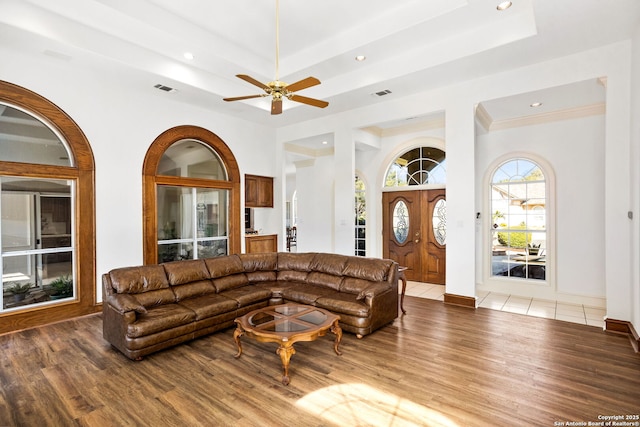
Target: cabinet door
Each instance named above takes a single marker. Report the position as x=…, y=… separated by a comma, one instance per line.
x=258, y=191
x=265, y=192
x=251, y=191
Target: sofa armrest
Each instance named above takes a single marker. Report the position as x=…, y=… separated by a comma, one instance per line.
x=123, y=303
x=373, y=290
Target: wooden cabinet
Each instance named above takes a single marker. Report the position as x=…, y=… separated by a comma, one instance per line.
x=261, y=243
x=258, y=191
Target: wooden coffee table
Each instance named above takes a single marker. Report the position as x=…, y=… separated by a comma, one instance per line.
x=287, y=324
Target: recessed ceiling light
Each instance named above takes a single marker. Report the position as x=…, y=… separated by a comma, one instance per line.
x=188, y=55
x=360, y=58
x=324, y=142
x=504, y=5
x=535, y=104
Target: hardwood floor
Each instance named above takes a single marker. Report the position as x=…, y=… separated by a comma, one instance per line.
x=438, y=365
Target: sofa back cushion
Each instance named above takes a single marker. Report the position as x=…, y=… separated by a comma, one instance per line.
x=189, y=278
x=329, y=263
x=376, y=270
x=135, y=280
x=231, y=281
x=292, y=275
x=295, y=261
x=324, y=279
x=181, y=272
x=259, y=262
x=224, y=266
x=261, y=276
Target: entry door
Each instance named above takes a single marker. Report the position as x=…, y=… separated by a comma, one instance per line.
x=414, y=233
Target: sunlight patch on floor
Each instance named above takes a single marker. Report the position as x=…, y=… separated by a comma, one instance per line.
x=362, y=405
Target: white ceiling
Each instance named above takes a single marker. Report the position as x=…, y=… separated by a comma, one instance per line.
x=410, y=45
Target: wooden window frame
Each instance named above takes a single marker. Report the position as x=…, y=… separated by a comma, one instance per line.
x=151, y=180
x=83, y=173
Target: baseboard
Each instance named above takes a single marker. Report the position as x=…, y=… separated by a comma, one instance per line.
x=460, y=300
x=626, y=328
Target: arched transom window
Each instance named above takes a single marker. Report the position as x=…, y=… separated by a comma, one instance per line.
x=419, y=166
x=518, y=220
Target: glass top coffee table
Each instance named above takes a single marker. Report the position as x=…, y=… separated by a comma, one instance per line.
x=287, y=324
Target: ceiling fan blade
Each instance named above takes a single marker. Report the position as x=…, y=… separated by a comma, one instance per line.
x=276, y=106
x=238, y=98
x=309, y=101
x=303, y=84
x=253, y=81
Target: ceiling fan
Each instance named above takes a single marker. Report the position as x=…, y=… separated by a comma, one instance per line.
x=277, y=89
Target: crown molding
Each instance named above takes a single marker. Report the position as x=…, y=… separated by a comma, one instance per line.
x=485, y=119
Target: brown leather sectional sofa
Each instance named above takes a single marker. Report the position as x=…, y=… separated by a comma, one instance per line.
x=152, y=307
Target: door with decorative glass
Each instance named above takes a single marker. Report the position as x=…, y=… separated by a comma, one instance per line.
x=414, y=233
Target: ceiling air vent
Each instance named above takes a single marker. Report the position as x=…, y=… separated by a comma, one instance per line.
x=382, y=92
x=165, y=88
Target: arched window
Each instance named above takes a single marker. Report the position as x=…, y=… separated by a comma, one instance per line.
x=419, y=166
x=191, y=197
x=46, y=204
x=360, y=219
x=519, y=221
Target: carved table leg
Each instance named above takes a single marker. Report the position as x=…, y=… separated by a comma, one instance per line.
x=236, y=337
x=285, y=351
x=337, y=330
x=403, y=279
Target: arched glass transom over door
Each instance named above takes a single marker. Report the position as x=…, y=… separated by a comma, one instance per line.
x=191, y=197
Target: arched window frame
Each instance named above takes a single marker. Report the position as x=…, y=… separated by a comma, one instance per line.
x=540, y=289
x=83, y=173
x=151, y=180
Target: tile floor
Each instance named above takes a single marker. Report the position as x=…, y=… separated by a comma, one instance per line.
x=576, y=313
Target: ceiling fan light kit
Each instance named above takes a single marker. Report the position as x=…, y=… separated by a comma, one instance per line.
x=278, y=89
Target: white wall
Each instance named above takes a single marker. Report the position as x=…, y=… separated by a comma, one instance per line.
x=120, y=123
x=634, y=159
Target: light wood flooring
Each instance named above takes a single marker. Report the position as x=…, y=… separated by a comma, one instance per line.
x=438, y=365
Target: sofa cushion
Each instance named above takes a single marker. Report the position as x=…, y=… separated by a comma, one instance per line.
x=153, y=298
x=295, y=261
x=224, y=266
x=160, y=318
x=324, y=279
x=181, y=272
x=329, y=263
x=193, y=289
x=367, y=268
x=248, y=295
x=292, y=275
x=125, y=302
x=258, y=262
x=230, y=282
x=343, y=303
x=261, y=276
x=304, y=293
x=351, y=285
x=134, y=280
x=210, y=305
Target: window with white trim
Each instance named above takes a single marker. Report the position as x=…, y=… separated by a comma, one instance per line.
x=518, y=220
